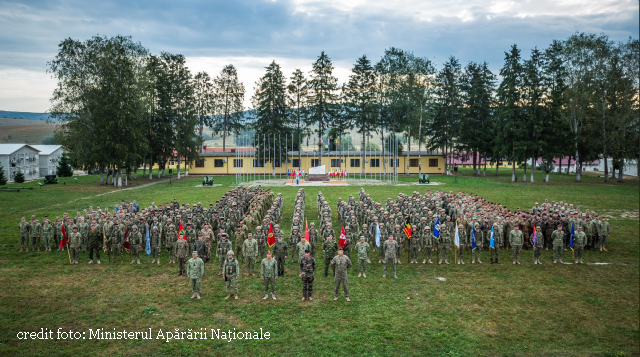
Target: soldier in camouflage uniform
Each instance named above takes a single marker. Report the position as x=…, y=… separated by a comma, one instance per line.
x=171, y=237
x=480, y=241
x=313, y=238
x=200, y=246
x=94, y=243
x=75, y=242
x=516, y=239
x=294, y=238
x=426, y=243
x=35, y=233
x=24, y=235
x=250, y=253
x=135, y=244
x=307, y=267
x=329, y=247
x=340, y=263
x=579, y=241
x=390, y=249
x=47, y=234
x=261, y=240
x=195, y=271
x=116, y=241
x=362, y=249
x=269, y=273
x=558, y=243
x=182, y=252
x=231, y=270
x=223, y=247
x=280, y=251
x=155, y=243
x=497, y=244
x=444, y=244
x=462, y=237
x=603, y=234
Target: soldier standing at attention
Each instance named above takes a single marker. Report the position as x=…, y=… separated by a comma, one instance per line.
x=269, y=273
x=195, y=271
x=75, y=241
x=280, y=251
x=603, y=234
x=313, y=238
x=231, y=271
x=301, y=247
x=426, y=242
x=34, y=232
x=294, y=238
x=329, y=247
x=116, y=240
x=362, y=249
x=558, y=243
x=516, y=240
x=250, y=253
x=47, y=234
x=182, y=252
x=155, y=243
x=307, y=267
x=221, y=251
x=444, y=244
x=200, y=246
x=24, y=235
x=95, y=243
x=390, y=248
x=340, y=263
x=261, y=240
x=462, y=235
x=579, y=241
x=538, y=246
x=135, y=244
x=171, y=237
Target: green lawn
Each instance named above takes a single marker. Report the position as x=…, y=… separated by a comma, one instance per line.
x=486, y=310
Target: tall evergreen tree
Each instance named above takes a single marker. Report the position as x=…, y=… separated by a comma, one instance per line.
x=228, y=95
x=271, y=115
x=535, y=107
x=298, y=91
x=204, y=100
x=420, y=84
x=323, y=95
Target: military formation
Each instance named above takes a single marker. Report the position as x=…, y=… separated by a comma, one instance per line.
x=237, y=227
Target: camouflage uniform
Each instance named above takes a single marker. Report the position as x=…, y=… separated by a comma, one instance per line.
x=579, y=241
x=280, y=252
x=340, y=266
x=330, y=247
x=24, y=235
x=195, y=271
x=269, y=272
x=135, y=245
x=182, y=252
x=516, y=239
x=35, y=233
x=558, y=245
x=390, y=249
x=221, y=250
x=250, y=252
x=231, y=271
x=362, y=249
x=307, y=267
x=444, y=244
x=75, y=242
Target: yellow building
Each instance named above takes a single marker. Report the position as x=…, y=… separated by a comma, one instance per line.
x=242, y=161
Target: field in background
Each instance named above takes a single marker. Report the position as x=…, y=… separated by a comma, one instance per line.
x=24, y=131
x=488, y=310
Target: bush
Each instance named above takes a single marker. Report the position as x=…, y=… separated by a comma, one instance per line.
x=543, y=167
x=19, y=177
x=3, y=179
x=64, y=169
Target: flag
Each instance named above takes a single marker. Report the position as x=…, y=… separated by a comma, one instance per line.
x=288, y=173
x=306, y=230
x=147, y=240
x=307, y=141
x=314, y=141
x=456, y=240
x=181, y=232
x=436, y=228
x=271, y=240
x=63, y=241
x=535, y=237
x=126, y=244
x=492, y=241
x=473, y=237
x=573, y=235
x=344, y=172
x=407, y=227
x=104, y=242
x=342, y=242
x=377, y=236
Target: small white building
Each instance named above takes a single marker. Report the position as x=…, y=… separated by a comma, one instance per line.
x=630, y=166
x=20, y=157
x=50, y=155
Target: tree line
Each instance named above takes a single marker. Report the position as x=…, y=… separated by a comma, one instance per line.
x=122, y=108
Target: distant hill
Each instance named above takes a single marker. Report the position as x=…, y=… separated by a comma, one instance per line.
x=24, y=115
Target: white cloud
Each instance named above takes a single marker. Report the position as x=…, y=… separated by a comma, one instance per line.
x=25, y=91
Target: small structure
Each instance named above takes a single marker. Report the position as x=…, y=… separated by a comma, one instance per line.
x=20, y=158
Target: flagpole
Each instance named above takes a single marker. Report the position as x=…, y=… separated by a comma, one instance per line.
x=69, y=254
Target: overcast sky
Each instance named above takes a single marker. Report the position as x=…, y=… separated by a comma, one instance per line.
x=250, y=34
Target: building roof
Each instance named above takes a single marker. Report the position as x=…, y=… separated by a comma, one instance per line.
x=8, y=149
x=46, y=149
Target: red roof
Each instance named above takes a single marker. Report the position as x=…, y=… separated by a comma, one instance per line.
x=243, y=149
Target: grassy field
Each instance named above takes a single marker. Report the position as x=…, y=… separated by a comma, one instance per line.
x=24, y=131
x=487, y=310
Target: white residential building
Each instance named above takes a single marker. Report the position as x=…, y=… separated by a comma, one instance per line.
x=20, y=157
x=50, y=155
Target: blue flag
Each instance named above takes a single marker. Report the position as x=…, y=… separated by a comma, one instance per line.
x=148, y=241
x=573, y=235
x=473, y=238
x=307, y=141
x=377, y=236
x=492, y=242
x=436, y=228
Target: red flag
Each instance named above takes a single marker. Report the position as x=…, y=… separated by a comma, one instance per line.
x=306, y=230
x=63, y=241
x=271, y=239
x=342, y=242
x=181, y=232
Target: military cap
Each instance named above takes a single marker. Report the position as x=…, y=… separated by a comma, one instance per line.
x=134, y=227
x=194, y=252
x=313, y=224
x=361, y=237
x=230, y=252
x=307, y=251
x=33, y=216
x=250, y=235
x=259, y=228
x=276, y=226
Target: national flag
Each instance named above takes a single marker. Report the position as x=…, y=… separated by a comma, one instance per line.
x=181, y=232
x=314, y=141
x=473, y=237
x=126, y=244
x=344, y=172
x=104, y=242
x=271, y=239
x=307, y=141
x=436, y=228
x=492, y=241
x=377, y=236
x=306, y=230
x=288, y=173
x=63, y=241
x=535, y=237
x=456, y=239
x=147, y=240
x=573, y=235
x=407, y=227
x=336, y=141
x=342, y=242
